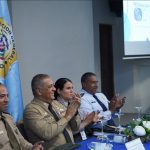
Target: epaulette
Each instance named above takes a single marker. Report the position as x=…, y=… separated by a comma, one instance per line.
x=81, y=94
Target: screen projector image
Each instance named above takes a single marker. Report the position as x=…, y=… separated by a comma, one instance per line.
x=136, y=16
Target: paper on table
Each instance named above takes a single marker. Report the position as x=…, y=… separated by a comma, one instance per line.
x=135, y=145
x=100, y=146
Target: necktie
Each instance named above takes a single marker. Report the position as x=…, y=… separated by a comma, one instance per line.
x=12, y=138
x=100, y=103
x=109, y=122
x=65, y=132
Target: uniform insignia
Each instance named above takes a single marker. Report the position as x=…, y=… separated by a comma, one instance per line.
x=16, y=131
x=48, y=117
x=59, y=108
x=51, y=118
x=1, y=132
x=45, y=113
x=82, y=94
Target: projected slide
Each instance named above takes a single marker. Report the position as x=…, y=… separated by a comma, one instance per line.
x=136, y=27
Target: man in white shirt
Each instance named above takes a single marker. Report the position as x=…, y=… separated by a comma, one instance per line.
x=91, y=100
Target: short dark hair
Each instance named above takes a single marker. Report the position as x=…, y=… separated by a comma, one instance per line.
x=59, y=84
x=2, y=84
x=37, y=82
x=86, y=75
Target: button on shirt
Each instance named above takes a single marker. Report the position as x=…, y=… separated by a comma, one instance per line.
x=90, y=104
x=4, y=140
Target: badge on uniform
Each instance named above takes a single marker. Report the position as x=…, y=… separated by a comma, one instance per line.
x=1, y=132
x=83, y=135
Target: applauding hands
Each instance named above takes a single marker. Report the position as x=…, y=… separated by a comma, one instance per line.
x=38, y=146
x=73, y=106
x=116, y=103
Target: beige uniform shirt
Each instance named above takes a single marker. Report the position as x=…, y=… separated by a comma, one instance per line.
x=75, y=123
x=5, y=141
x=41, y=125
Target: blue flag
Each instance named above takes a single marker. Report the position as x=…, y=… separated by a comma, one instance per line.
x=9, y=67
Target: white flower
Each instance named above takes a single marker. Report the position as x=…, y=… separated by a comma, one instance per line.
x=139, y=131
x=146, y=124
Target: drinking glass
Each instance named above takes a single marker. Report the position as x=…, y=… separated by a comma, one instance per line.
x=139, y=110
x=91, y=146
x=119, y=113
x=99, y=146
x=102, y=136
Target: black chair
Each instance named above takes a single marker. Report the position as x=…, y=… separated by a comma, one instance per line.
x=20, y=126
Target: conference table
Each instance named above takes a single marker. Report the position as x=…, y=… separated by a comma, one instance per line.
x=116, y=146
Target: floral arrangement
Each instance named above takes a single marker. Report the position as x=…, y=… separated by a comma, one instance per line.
x=139, y=128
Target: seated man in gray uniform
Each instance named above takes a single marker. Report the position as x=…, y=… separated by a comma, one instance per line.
x=91, y=101
x=10, y=137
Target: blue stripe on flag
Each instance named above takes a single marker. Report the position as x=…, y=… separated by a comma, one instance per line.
x=4, y=12
x=13, y=85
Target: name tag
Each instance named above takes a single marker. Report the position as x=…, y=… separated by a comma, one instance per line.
x=135, y=145
x=83, y=135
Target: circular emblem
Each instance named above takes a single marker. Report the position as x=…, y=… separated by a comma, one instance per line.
x=7, y=48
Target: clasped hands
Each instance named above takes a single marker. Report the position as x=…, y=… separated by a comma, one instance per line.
x=73, y=106
x=38, y=146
